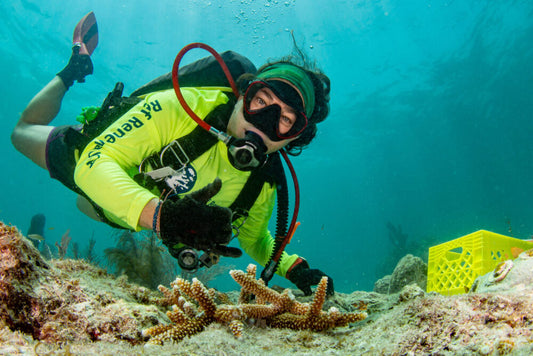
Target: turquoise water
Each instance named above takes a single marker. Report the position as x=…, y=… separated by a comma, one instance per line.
x=430, y=125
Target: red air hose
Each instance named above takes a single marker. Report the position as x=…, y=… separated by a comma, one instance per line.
x=175, y=80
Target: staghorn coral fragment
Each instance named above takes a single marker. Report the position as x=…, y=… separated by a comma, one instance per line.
x=259, y=311
x=245, y=296
x=184, y=287
x=281, y=310
x=188, y=308
x=284, y=302
x=156, y=330
x=315, y=318
x=320, y=297
x=175, y=332
x=205, y=301
x=170, y=296
x=228, y=313
x=250, y=284
x=251, y=269
x=177, y=315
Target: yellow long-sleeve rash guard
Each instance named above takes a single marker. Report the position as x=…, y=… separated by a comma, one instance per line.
x=107, y=164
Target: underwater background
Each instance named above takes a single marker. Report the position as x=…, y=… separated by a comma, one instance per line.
x=430, y=125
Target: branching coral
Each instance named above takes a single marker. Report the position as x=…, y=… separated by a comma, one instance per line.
x=194, y=308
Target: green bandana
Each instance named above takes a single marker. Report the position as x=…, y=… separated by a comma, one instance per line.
x=297, y=77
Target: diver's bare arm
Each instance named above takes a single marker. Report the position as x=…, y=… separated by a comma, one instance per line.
x=146, y=219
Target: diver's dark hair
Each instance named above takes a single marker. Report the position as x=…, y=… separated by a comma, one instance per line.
x=321, y=86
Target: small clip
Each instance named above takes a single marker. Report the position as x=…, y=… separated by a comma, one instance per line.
x=177, y=151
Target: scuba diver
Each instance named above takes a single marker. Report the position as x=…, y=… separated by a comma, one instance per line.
x=141, y=162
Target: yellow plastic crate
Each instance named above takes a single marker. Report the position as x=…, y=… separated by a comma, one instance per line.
x=454, y=265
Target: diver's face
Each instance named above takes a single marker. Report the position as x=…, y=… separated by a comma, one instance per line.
x=238, y=126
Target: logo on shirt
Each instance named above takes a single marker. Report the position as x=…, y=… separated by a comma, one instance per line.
x=184, y=179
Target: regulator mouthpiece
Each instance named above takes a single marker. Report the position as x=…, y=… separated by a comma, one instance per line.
x=247, y=153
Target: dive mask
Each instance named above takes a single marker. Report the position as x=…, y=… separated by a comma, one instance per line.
x=267, y=119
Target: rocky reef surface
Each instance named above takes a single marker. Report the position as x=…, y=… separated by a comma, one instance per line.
x=70, y=307
x=410, y=269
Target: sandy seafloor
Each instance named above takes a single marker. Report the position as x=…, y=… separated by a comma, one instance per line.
x=68, y=307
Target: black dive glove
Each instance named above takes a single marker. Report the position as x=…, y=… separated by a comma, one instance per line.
x=304, y=278
x=192, y=222
x=77, y=68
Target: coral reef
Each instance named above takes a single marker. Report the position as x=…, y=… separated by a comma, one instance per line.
x=21, y=268
x=410, y=269
x=464, y=325
x=278, y=310
x=70, y=307
x=67, y=300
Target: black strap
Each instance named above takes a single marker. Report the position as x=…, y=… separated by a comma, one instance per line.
x=272, y=172
x=198, y=141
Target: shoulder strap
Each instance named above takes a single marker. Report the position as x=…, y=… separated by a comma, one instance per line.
x=199, y=140
x=272, y=172
x=186, y=148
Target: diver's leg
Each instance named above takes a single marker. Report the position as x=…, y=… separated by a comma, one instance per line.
x=31, y=132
